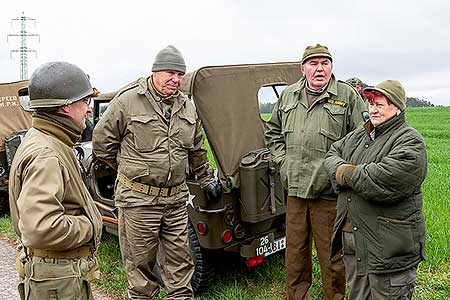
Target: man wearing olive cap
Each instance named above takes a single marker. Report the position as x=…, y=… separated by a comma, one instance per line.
x=378, y=171
x=309, y=116
x=151, y=134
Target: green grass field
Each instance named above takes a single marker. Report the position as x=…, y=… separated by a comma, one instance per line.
x=234, y=281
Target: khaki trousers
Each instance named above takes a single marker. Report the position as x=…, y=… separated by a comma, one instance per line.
x=392, y=286
x=143, y=232
x=308, y=219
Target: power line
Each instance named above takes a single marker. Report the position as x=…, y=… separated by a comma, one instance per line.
x=23, y=50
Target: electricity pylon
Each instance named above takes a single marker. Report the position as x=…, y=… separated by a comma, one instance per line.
x=23, y=50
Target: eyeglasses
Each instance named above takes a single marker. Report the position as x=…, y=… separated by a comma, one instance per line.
x=87, y=100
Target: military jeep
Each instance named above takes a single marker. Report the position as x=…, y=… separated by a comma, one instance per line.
x=14, y=121
x=249, y=220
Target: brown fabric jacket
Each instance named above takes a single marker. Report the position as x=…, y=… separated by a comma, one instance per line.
x=51, y=207
x=134, y=137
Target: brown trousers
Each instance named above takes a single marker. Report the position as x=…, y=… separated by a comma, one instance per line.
x=150, y=232
x=393, y=286
x=308, y=219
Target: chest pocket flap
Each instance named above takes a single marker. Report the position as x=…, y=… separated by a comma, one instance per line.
x=286, y=107
x=146, y=132
x=189, y=119
x=335, y=109
x=144, y=119
x=185, y=133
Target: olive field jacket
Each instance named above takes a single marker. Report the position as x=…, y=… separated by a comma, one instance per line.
x=385, y=198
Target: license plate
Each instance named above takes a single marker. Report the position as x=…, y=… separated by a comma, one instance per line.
x=267, y=248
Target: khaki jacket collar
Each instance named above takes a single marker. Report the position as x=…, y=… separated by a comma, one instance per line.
x=144, y=88
x=55, y=129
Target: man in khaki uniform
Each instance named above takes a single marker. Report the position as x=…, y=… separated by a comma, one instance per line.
x=151, y=134
x=310, y=115
x=51, y=210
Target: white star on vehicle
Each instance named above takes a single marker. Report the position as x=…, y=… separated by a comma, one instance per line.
x=189, y=200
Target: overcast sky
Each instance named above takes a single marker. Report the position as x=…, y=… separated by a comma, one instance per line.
x=115, y=42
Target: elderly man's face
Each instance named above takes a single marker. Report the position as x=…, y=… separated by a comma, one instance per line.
x=317, y=71
x=381, y=110
x=167, y=82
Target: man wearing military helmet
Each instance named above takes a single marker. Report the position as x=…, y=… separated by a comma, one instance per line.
x=378, y=171
x=152, y=135
x=309, y=116
x=357, y=84
x=51, y=209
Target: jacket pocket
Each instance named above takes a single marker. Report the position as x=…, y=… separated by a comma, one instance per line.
x=396, y=237
x=146, y=132
x=185, y=132
x=334, y=123
x=288, y=122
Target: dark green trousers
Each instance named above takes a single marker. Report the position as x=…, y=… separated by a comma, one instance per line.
x=389, y=285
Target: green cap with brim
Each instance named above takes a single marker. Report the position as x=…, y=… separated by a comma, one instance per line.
x=393, y=90
x=316, y=51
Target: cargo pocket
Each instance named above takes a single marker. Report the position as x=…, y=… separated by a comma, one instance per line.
x=185, y=132
x=396, y=237
x=402, y=284
x=55, y=281
x=146, y=132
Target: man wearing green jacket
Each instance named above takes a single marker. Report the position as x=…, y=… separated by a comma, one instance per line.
x=152, y=135
x=378, y=171
x=310, y=115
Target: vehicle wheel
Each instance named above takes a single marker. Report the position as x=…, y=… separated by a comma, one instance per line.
x=203, y=268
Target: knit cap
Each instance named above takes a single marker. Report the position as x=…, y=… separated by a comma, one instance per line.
x=169, y=58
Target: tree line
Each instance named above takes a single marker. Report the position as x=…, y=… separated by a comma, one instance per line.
x=266, y=108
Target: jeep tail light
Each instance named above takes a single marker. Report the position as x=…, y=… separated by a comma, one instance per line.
x=202, y=228
x=227, y=236
x=254, y=261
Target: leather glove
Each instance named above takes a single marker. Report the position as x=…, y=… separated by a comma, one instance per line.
x=213, y=191
x=344, y=174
